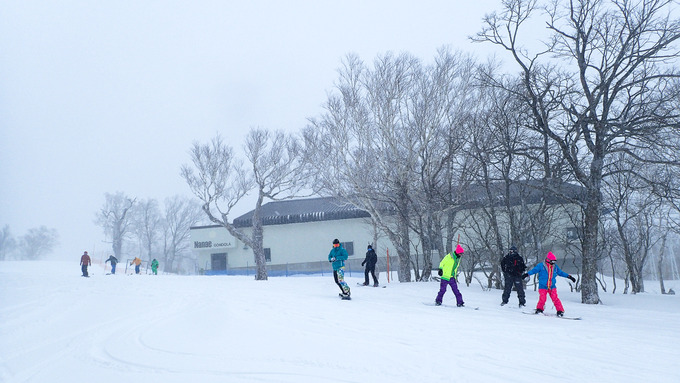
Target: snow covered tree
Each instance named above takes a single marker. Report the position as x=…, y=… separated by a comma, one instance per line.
x=610, y=66
x=147, y=226
x=37, y=242
x=7, y=243
x=220, y=181
x=116, y=219
x=180, y=213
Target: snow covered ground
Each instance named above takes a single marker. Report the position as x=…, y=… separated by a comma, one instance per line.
x=56, y=326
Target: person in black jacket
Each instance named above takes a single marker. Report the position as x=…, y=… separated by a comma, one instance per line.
x=114, y=262
x=370, y=261
x=513, y=267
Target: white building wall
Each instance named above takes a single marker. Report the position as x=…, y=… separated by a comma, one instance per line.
x=288, y=243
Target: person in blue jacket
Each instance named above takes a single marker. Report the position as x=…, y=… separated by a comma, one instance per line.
x=547, y=279
x=337, y=257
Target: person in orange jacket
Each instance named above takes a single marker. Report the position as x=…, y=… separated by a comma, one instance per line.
x=137, y=262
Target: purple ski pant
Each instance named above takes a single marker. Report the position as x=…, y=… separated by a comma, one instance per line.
x=454, y=286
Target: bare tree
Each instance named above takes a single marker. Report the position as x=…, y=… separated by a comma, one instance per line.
x=221, y=181
x=37, y=243
x=617, y=61
x=147, y=226
x=116, y=220
x=180, y=214
x=7, y=243
x=361, y=150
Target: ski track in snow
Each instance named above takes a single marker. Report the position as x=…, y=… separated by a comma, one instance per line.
x=57, y=326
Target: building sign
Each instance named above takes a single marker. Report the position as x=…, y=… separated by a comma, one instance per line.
x=212, y=245
x=212, y=238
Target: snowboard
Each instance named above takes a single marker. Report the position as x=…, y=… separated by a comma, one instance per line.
x=450, y=306
x=363, y=285
x=345, y=297
x=552, y=315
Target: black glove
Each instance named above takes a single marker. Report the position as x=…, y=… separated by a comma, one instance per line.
x=440, y=272
x=525, y=275
x=572, y=278
x=363, y=263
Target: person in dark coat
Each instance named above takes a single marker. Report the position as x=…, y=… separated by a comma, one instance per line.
x=85, y=261
x=114, y=262
x=513, y=267
x=370, y=261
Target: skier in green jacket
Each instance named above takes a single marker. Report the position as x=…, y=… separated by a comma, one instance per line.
x=154, y=266
x=448, y=270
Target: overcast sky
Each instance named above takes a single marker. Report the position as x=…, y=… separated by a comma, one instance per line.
x=107, y=96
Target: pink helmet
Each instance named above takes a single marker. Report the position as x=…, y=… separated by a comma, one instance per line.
x=550, y=256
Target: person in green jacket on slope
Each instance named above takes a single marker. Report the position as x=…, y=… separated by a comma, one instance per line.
x=448, y=270
x=154, y=266
x=337, y=257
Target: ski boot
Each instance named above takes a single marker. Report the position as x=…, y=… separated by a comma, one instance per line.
x=538, y=311
x=437, y=303
x=560, y=313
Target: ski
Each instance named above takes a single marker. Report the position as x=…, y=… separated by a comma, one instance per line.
x=553, y=316
x=450, y=306
x=363, y=285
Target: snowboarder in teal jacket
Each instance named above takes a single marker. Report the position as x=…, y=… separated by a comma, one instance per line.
x=337, y=257
x=547, y=279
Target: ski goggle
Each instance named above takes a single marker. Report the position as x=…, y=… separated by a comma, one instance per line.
x=550, y=261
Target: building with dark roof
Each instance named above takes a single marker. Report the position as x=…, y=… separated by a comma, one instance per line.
x=298, y=233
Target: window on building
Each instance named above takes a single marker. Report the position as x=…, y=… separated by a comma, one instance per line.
x=349, y=246
x=267, y=254
x=572, y=233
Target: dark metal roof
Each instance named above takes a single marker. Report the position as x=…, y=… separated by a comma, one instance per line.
x=330, y=208
x=302, y=210
x=529, y=192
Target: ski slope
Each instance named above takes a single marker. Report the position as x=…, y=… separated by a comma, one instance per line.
x=56, y=326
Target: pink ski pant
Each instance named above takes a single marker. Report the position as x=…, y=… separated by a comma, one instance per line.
x=542, y=296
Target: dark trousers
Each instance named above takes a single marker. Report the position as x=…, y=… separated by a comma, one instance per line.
x=113, y=268
x=516, y=281
x=84, y=269
x=371, y=270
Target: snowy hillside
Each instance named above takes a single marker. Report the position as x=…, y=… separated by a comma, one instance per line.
x=56, y=326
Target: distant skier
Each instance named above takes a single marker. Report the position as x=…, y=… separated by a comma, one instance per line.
x=85, y=261
x=448, y=270
x=513, y=267
x=154, y=266
x=114, y=262
x=370, y=261
x=137, y=262
x=337, y=257
x=547, y=279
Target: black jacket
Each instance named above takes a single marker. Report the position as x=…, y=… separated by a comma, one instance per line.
x=371, y=259
x=513, y=264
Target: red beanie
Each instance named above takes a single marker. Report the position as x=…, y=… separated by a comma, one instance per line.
x=459, y=249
